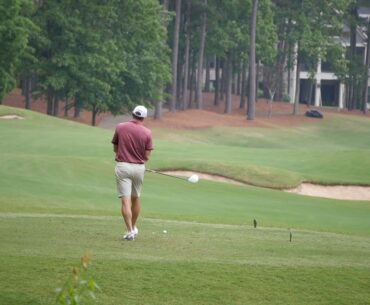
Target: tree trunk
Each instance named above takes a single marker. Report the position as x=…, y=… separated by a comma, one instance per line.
x=206, y=85
x=243, y=86
x=158, y=104
x=175, y=52
x=192, y=76
x=56, y=106
x=158, y=110
x=199, y=97
x=180, y=66
x=223, y=76
x=238, y=79
x=257, y=79
x=229, y=81
x=50, y=103
x=353, y=36
x=66, y=107
x=165, y=4
x=216, y=100
x=78, y=106
x=252, y=65
x=312, y=86
x=94, y=114
x=271, y=98
x=366, y=91
x=234, y=82
x=297, y=89
x=283, y=50
x=27, y=92
x=187, y=53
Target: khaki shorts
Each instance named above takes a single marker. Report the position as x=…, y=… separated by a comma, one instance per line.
x=129, y=178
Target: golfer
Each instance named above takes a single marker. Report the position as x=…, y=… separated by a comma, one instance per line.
x=132, y=143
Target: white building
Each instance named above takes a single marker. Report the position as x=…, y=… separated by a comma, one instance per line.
x=326, y=89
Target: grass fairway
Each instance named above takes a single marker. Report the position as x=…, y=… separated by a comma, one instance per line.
x=58, y=202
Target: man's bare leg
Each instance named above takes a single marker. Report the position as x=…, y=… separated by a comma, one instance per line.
x=135, y=210
x=126, y=212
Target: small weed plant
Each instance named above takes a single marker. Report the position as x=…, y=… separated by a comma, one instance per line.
x=80, y=287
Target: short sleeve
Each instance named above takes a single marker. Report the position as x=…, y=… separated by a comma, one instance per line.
x=149, y=143
x=115, y=138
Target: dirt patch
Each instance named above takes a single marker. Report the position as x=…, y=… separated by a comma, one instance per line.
x=11, y=117
x=213, y=115
x=341, y=192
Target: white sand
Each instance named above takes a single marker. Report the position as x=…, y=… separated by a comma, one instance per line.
x=344, y=192
x=11, y=117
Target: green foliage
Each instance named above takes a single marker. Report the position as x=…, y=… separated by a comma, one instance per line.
x=354, y=71
x=260, y=93
x=79, y=288
x=76, y=58
x=140, y=32
x=312, y=25
x=286, y=97
x=266, y=36
x=103, y=55
x=15, y=29
x=228, y=28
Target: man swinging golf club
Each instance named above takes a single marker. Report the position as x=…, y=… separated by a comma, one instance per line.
x=132, y=143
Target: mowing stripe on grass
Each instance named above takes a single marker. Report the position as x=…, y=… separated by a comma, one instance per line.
x=68, y=237
x=185, y=223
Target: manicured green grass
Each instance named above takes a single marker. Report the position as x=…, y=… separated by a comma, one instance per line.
x=58, y=202
x=335, y=150
x=190, y=264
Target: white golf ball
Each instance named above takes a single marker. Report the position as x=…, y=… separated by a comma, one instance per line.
x=193, y=179
x=164, y=231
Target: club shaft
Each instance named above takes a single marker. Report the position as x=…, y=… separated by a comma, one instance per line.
x=160, y=173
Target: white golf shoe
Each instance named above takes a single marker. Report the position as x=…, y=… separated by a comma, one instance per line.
x=135, y=231
x=129, y=236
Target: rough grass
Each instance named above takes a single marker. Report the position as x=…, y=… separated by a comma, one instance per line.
x=57, y=202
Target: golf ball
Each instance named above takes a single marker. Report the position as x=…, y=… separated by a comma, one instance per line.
x=164, y=231
x=193, y=179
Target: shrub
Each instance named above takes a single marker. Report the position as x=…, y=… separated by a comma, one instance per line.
x=260, y=93
x=286, y=97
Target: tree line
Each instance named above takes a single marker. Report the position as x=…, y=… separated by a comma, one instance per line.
x=88, y=54
x=109, y=55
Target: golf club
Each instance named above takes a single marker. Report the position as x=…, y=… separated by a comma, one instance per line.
x=192, y=179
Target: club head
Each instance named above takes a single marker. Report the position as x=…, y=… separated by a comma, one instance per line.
x=193, y=179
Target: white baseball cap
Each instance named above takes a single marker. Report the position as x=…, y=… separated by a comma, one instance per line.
x=140, y=111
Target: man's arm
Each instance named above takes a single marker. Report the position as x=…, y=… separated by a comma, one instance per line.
x=147, y=154
x=115, y=148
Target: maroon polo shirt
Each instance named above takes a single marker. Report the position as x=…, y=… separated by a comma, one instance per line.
x=132, y=139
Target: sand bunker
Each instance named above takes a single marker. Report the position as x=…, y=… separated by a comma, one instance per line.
x=342, y=192
x=11, y=117
x=204, y=176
